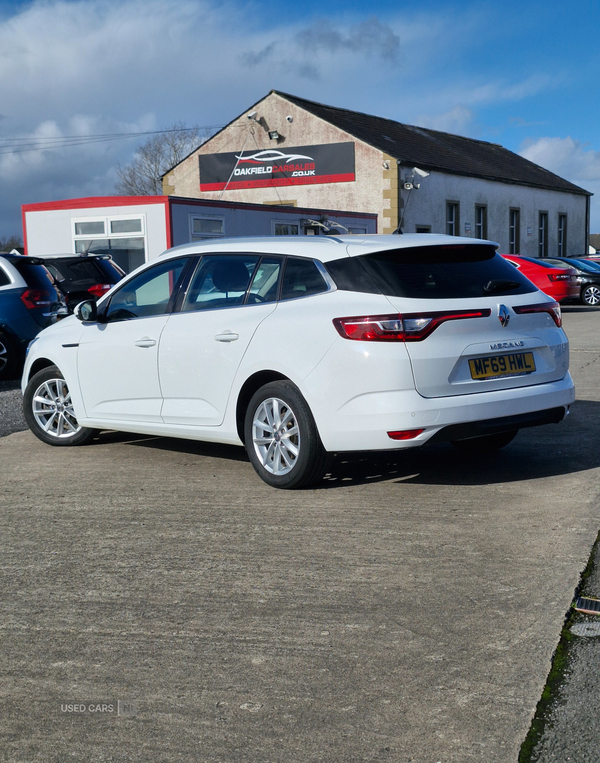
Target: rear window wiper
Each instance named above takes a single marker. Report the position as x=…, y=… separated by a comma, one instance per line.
x=492, y=287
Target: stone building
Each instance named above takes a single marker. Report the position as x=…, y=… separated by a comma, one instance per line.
x=285, y=150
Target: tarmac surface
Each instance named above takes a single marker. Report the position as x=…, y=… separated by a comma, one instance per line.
x=160, y=603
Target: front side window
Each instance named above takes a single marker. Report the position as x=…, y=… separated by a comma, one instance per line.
x=302, y=278
x=220, y=281
x=149, y=293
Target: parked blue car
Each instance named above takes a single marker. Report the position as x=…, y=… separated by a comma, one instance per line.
x=29, y=301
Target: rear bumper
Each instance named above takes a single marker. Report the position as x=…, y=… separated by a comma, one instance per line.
x=363, y=423
x=497, y=426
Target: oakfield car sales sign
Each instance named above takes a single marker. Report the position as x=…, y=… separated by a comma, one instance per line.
x=302, y=165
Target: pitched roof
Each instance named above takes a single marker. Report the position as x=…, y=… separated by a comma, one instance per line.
x=434, y=150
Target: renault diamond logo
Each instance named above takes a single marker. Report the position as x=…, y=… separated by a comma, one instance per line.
x=503, y=316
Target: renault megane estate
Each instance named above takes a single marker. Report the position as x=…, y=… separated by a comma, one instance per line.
x=297, y=348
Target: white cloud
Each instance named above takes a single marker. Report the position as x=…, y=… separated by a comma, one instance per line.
x=85, y=67
x=572, y=160
x=458, y=120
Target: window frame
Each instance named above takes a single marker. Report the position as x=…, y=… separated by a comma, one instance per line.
x=205, y=236
x=483, y=225
x=543, y=234
x=514, y=230
x=455, y=222
x=562, y=234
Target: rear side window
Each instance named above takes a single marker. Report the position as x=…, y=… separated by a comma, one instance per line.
x=4, y=279
x=35, y=276
x=431, y=272
x=301, y=278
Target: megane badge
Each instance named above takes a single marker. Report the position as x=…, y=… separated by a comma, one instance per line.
x=503, y=316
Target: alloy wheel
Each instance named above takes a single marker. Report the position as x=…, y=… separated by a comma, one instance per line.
x=52, y=409
x=591, y=296
x=276, y=436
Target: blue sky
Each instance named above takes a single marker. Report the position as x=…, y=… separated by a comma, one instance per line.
x=522, y=74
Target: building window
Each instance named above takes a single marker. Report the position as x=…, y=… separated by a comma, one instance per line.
x=286, y=229
x=543, y=235
x=480, y=221
x=423, y=229
x=562, y=235
x=452, y=221
x=356, y=231
x=206, y=227
x=514, y=231
x=123, y=237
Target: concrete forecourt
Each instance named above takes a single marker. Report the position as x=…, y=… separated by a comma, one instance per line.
x=160, y=603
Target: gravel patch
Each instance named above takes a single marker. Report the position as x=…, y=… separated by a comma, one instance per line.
x=11, y=410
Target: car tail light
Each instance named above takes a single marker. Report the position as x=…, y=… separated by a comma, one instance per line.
x=559, y=276
x=35, y=298
x=99, y=289
x=552, y=308
x=405, y=434
x=411, y=327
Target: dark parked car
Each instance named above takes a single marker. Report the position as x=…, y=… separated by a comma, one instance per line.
x=29, y=302
x=588, y=278
x=83, y=276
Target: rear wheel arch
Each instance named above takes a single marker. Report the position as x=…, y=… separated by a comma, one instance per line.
x=251, y=385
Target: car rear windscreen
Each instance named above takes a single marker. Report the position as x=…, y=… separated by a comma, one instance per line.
x=431, y=272
x=83, y=271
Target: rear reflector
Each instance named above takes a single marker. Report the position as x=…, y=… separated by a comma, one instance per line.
x=405, y=434
x=552, y=308
x=411, y=327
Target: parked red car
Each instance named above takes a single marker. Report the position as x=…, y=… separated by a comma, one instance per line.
x=558, y=283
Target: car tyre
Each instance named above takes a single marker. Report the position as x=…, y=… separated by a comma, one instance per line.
x=48, y=410
x=591, y=295
x=8, y=358
x=486, y=444
x=282, y=439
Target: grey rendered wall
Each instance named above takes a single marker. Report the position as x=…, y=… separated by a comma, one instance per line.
x=427, y=206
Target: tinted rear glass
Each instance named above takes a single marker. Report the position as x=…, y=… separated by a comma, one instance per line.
x=84, y=271
x=431, y=272
x=36, y=276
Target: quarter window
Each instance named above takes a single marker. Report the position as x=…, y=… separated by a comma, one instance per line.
x=148, y=294
x=301, y=278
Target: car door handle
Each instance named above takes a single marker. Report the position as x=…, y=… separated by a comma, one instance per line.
x=145, y=342
x=227, y=336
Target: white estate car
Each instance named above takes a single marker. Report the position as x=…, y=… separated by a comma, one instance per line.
x=299, y=347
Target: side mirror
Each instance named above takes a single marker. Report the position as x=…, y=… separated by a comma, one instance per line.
x=86, y=311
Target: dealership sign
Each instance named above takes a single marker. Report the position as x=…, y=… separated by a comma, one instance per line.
x=303, y=165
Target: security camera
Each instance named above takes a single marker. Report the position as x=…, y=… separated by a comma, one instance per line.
x=251, y=115
x=422, y=173
x=289, y=119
